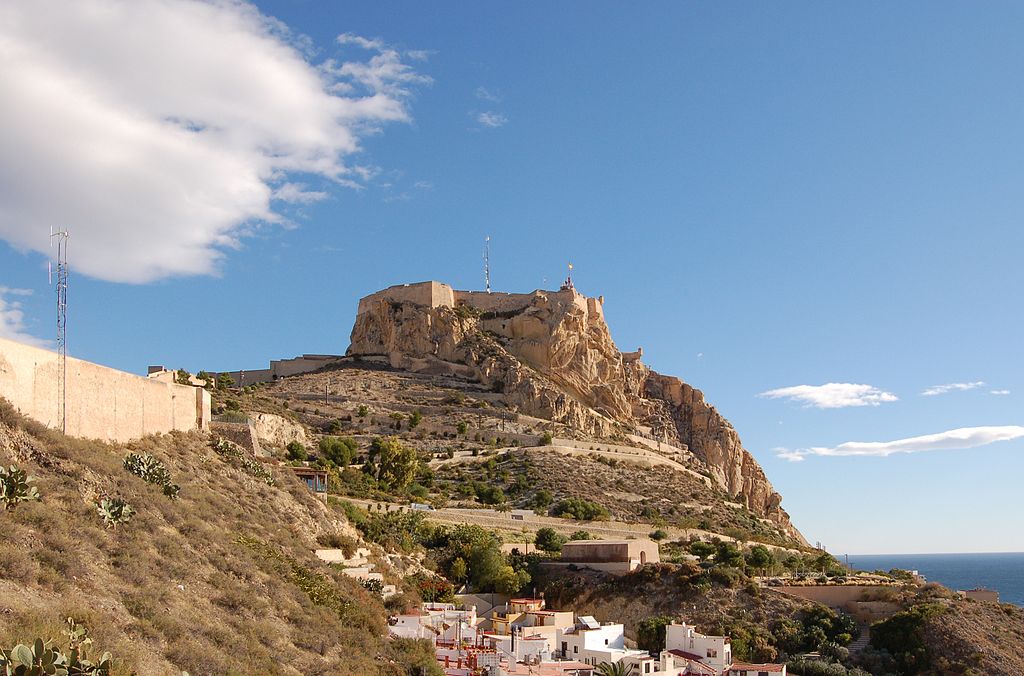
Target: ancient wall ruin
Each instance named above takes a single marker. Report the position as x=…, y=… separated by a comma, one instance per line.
x=101, y=403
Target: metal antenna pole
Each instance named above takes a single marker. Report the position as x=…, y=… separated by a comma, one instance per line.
x=487, y=263
x=62, y=325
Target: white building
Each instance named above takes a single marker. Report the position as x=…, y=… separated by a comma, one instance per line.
x=683, y=640
x=592, y=643
x=438, y=622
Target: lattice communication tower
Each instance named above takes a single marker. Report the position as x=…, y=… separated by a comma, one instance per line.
x=62, y=324
x=487, y=263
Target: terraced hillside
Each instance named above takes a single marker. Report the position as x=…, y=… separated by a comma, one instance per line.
x=470, y=437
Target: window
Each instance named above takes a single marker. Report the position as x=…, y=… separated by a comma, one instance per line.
x=647, y=668
x=712, y=653
x=606, y=641
x=575, y=649
x=762, y=673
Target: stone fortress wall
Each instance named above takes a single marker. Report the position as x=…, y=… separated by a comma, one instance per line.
x=439, y=294
x=431, y=294
x=101, y=403
x=280, y=368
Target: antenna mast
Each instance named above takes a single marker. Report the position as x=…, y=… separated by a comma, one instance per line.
x=487, y=263
x=62, y=325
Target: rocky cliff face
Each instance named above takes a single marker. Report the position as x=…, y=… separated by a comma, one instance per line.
x=552, y=356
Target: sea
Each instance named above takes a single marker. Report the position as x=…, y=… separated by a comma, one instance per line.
x=1003, y=572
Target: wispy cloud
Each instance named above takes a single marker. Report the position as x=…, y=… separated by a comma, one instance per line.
x=296, y=193
x=12, y=317
x=423, y=185
x=1000, y=393
x=958, y=439
x=936, y=390
x=485, y=94
x=832, y=395
x=170, y=150
x=491, y=120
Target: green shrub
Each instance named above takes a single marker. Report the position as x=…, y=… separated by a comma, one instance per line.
x=461, y=428
x=580, y=510
x=415, y=419
x=658, y=535
x=362, y=411
x=44, y=657
x=542, y=499
x=14, y=487
x=152, y=471
x=549, y=540
x=581, y=535
x=490, y=495
x=392, y=464
x=339, y=450
x=295, y=450
x=432, y=588
x=248, y=464
x=115, y=511
x=903, y=636
x=545, y=439
x=650, y=633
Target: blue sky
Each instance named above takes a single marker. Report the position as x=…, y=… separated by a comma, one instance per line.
x=768, y=196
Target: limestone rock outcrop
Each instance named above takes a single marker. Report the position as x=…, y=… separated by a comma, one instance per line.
x=552, y=356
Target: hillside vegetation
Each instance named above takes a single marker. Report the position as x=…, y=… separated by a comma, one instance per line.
x=220, y=579
x=470, y=445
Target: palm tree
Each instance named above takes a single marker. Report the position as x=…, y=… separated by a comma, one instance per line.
x=612, y=669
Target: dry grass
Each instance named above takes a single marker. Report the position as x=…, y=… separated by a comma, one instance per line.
x=173, y=589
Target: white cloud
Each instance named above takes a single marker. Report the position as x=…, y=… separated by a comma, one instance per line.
x=491, y=120
x=963, y=438
x=951, y=387
x=1000, y=392
x=296, y=193
x=423, y=185
x=485, y=94
x=832, y=395
x=159, y=131
x=12, y=318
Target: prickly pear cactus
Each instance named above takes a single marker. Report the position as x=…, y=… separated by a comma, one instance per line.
x=15, y=488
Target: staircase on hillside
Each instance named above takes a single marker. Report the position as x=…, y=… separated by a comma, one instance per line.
x=861, y=641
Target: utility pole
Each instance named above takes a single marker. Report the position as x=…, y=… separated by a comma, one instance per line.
x=62, y=324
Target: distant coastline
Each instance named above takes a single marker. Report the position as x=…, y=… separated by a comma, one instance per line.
x=1003, y=571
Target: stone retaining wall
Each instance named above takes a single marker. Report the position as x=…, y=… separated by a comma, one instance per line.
x=101, y=403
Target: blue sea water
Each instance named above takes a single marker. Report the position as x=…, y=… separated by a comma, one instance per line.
x=1003, y=572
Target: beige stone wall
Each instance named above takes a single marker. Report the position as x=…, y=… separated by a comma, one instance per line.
x=101, y=403
x=836, y=596
x=495, y=302
x=431, y=294
x=282, y=368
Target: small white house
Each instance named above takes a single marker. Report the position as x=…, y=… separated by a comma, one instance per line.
x=683, y=640
x=592, y=643
x=437, y=622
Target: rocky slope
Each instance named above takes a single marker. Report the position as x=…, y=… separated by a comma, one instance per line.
x=552, y=356
x=220, y=580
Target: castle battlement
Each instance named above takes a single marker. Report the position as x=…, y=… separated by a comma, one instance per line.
x=439, y=294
